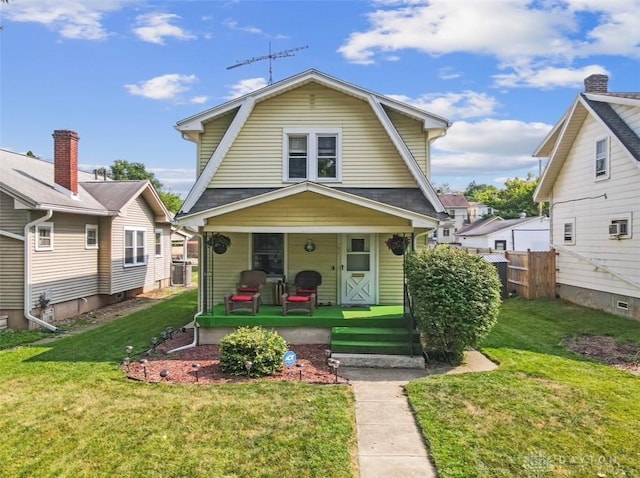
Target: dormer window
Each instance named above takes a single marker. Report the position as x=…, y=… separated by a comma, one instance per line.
x=602, y=159
x=312, y=155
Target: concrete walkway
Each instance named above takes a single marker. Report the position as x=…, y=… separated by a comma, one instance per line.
x=390, y=443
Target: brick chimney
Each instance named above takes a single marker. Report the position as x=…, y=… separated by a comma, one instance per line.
x=596, y=84
x=65, y=159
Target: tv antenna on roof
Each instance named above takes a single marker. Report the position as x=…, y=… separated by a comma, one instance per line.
x=270, y=57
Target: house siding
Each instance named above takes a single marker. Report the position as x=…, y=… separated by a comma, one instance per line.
x=307, y=209
x=414, y=136
x=390, y=274
x=209, y=140
x=138, y=215
x=256, y=156
x=324, y=260
x=575, y=183
x=105, y=255
x=69, y=271
x=11, y=255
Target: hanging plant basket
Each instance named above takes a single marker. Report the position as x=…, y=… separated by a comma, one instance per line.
x=219, y=243
x=398, y=244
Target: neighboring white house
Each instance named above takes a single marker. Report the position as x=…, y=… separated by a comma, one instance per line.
x=592, y=185
x=478, y=210
x=457, y=207
x=529, y=233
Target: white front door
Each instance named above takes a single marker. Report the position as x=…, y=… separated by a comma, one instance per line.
x=358, y=269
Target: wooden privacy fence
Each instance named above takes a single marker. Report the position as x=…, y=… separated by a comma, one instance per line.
x=532, y=275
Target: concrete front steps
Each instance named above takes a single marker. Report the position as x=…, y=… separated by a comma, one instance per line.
x=388, y=347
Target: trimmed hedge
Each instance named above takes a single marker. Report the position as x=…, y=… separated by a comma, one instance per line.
x=456, y=299
x=264, y=349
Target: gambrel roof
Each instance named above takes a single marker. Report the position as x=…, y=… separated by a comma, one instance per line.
x=243, y=106
x=560, y=140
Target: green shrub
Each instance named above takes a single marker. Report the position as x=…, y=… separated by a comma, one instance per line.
x=264, y=349
x=456, y=299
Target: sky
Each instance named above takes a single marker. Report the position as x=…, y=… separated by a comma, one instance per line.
x=122, y=73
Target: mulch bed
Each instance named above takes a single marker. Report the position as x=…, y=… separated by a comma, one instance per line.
x=179, y=365
x=605, y=350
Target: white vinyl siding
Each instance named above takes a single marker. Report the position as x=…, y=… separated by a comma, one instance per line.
x=70, y=271
x=44, y=236
x=575, y=194
x=255, y=159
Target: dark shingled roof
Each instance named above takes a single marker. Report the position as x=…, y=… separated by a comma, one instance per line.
x=409, y=199
x=617, y=125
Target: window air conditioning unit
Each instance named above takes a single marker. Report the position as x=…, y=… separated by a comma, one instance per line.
x=614, y=230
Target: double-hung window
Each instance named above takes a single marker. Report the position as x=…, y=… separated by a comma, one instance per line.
x=312, y=155
x=602, y=159
x=158, y=242
x=91, y=236
x=134, y=247
x=44, y=236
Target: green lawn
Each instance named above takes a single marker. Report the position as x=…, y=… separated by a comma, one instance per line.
x=545, y=411
x=67, y=411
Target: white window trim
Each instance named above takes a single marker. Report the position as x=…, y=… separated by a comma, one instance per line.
x=572, y=221
x=155, y=238
x=607, y=160
x=44, y=225
x=124, y=246
x=87, y=228
x=623, y=216
x=312, y=153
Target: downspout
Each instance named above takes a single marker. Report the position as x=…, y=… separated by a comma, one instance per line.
x=194, y=322
x=27, y=272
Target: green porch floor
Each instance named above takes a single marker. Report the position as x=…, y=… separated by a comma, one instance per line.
x=324, y=316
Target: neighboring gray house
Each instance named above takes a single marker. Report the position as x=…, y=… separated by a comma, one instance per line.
x=71, y=242
x=592, y=183
x=528, y=233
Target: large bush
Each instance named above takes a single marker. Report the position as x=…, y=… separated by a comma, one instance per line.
x=263, y=348
x=456, y=299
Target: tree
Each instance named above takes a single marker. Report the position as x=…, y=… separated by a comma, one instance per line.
x=123, y=170
x=511, y=201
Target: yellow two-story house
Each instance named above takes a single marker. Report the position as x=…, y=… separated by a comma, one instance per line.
x=312, y=173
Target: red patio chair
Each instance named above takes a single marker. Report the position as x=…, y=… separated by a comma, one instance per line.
x=247, y=295
x=306, y=292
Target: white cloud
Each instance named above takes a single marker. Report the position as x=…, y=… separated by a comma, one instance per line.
x=198, y=100
x=468, y=104
x=488, y=147
x=521, y=36
x=548, y=77
x=233, y=25
x=164, y=87
x=246, y=86
x=72, y=19
x=155, y=27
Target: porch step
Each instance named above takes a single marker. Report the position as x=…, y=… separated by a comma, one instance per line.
x=380, y=361
x=375, y=347
x=384, y=334
x=375, y=340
